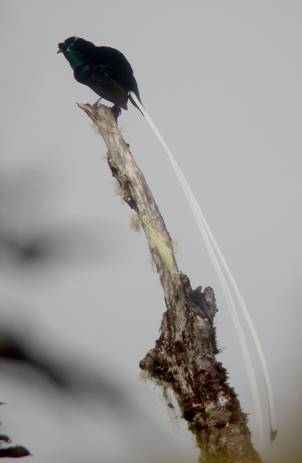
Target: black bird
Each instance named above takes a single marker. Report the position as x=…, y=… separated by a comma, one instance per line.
x=104, y=69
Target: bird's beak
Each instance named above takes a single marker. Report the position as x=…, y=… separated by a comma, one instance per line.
x=61, y=47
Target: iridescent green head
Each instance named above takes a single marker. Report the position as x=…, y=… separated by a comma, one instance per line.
x=76, y=50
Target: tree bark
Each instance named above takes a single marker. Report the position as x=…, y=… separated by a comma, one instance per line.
x=184, y=356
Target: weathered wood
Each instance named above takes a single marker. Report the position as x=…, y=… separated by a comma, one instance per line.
x=184, y=356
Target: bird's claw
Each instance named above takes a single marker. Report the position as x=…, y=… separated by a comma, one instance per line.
x=98, y=102
x=116, y=112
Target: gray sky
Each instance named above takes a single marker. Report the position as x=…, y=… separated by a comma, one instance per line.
x=222, y=81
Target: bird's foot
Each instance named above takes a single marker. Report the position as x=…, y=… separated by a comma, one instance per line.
x=98, y=102
x=116, y=112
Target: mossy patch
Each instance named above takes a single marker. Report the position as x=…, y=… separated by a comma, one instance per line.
x=135, y=222
x=157, y=242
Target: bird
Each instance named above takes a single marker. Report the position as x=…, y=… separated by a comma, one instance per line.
x=104, y=69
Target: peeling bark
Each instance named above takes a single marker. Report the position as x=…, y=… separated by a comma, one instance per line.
x=184, y=356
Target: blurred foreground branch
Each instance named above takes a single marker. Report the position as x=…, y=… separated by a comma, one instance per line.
x=184, y=356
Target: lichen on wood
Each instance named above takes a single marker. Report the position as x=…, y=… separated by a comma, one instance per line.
x=184, y=356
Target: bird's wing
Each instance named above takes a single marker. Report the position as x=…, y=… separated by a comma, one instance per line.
x=101, y=80
x=110, y=88
x=121, y=76
x=118, y=67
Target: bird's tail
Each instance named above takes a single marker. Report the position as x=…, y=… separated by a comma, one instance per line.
x=223, y=272
x=133, y=97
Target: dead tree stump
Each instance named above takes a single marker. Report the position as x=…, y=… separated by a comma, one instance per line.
x=184, y=356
